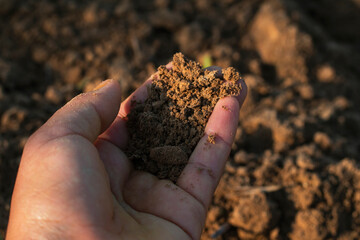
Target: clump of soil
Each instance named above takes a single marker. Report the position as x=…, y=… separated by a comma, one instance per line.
x=166, y=128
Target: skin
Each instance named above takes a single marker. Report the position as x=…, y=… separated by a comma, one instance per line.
x=75, y=182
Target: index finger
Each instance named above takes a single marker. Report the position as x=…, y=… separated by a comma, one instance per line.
x=204, y=169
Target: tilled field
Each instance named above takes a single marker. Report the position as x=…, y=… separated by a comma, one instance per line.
x=294, y=170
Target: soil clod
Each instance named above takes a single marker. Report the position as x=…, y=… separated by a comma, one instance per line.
x=211, y=138
x=165, y=129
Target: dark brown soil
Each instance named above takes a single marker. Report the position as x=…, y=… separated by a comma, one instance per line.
x=165, y=129
x=295, y=160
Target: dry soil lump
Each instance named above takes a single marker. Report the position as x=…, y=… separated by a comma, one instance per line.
x=165, y=129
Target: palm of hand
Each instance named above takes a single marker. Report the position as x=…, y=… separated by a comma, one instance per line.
x=74, y=182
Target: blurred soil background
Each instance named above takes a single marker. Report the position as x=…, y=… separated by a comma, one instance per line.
x=294, y=170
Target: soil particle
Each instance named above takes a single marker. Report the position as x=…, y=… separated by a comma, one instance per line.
x=323, y=140
x=171, y=155
x=13, y=118
x=309, y=224
x=190, y=37
x=253, y=215
x=166, y=128
x=226, y=108
x=73, y=75
x=53, y=95
x=211, y=138
x=12, y=75
x=325, y=73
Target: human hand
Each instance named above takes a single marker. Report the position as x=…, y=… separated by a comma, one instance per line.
x=74, y=181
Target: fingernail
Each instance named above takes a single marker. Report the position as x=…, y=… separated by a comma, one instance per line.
x=243, y=92
x=101, y=85
x=239, y=97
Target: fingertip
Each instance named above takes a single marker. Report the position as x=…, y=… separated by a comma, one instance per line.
x=169, y=66
x=243, y=92
x=242, y=95
x=224, y=118
x=87, y=115
x=106, y=85
x=109, y=91
x=139, y=95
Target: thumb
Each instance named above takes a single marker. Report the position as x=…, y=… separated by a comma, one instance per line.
x=87, y=115
x=61, y=176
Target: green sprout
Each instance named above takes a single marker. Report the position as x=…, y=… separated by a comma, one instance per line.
x=206, y=60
